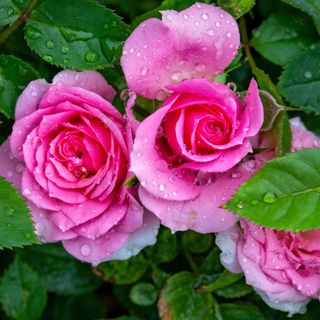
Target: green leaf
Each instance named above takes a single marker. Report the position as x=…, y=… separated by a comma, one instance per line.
x=10, y=10
x=15, y=75
x=300, y=81
x=271, y=110
x=284, y=194
x=280, y=38
x=16, y=228
x=124, y=272
x=60, y=32
x=22, y=294
x=180, y=299
x=143, y=294
x=166, y=248
x=236, y=290
x=266, y=84
x=196, y=242
x=225, y=279
x=236, y=8
x=60, y=272
x=211, y=264
x=240, y=311
x=282, y=134
x=312, y=7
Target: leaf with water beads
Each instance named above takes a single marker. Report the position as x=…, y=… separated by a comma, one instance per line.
x=284, y=194
x=16, y=228
x=62, y=35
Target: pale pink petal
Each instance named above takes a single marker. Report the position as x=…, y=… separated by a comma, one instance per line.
x=145, y=236
x=10, y=168
x=95, y=251
x=152, y=171
x=90, y=80
x=30, y=97
x=227, y=242
x=255, y=108
x=132, y=121
x=197, y=42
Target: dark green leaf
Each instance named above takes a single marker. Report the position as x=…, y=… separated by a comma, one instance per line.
x=124, y=272
x=312, y=7
x=280, y=38
x=236, y=8
x=266, y=84
x=284, y=194
x=224, y=280
x=236, y=290
x=15, y=75
x=165, y=249
x=22, y=294
x=240, y=311
x=159, y=277
x=300, y=81
x=82, y=307
x=211, y=264
x=60, y=32
x=180, y=299
x=10, y=10
x=143, y=294
x=60, y=272
x=196, y=242
x=16, y=228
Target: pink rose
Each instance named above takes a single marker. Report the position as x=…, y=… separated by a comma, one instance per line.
x=69, y=155
x=283, y=267
x=201, y=129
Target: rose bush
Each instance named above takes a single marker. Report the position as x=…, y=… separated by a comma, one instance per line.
x=283, y=267
x=202, y=127
x=69, y=155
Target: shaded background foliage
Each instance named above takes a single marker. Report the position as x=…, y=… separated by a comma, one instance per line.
x=181, y=276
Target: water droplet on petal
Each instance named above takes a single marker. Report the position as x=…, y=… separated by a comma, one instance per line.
x=205, y=16
x=162, y=187
x=85, y=250
x=144, y=71
x=26, y=191
x=217, y=24
x=211, y=32
x=228, y=34
x=236, y=175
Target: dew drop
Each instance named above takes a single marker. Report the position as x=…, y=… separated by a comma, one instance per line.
x=205, y=16
x=228, y=34
x=48, y=58
x=210, y=32
x=65, y=49
x=10, y=11
x=91, y=56
x=308, y=74
x=27, y=236
x=85, y=250
x=162, y=187
x=144, y=71
x=240, y=204
x=236, y=175
x=50, y=44
x=10, y=212
x=26, y=191
x=254, y=202
x=217, y=24
x=33, y=33
x=269, y=197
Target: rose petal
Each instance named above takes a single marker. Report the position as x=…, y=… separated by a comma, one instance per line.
x=29, y=99
x=197, y=42
x=90, y=80
x=145, y=163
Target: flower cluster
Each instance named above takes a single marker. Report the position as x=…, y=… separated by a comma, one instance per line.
x=71, y=152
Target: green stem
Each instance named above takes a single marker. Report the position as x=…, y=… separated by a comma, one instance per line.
x=22, y=19
x=193, y=265
x=216, y=309
x=245, y=42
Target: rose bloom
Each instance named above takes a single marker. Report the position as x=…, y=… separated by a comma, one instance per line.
x=283, y=267
x=69, y=155
x=202, y=129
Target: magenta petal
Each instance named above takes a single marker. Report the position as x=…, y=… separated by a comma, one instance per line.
x=197, y=42
x=145, y=164
x=30, y=97
x=10, y=168
x=255, y=108
x=226, y=161
x=90, y=80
